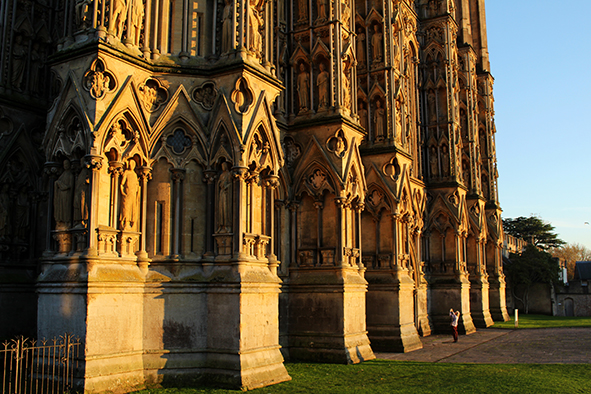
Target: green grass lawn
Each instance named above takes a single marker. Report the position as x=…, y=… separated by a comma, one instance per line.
x=381, y=376
x=543, y=321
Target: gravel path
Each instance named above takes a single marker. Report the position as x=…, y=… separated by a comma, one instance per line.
x=500, y=346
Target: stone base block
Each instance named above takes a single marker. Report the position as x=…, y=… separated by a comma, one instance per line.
x=331, y=349
x=395, y=339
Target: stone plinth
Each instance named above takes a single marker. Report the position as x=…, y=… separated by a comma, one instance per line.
x=327, y=316
x=390, y=310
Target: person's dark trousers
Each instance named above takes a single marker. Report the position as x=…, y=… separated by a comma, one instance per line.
x=455, y=333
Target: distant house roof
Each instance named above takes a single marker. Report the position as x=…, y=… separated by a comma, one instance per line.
x=583, y=270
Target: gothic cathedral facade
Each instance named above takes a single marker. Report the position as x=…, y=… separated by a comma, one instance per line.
x=201, y=189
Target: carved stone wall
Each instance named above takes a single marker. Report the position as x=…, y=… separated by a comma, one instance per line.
x=205, y=181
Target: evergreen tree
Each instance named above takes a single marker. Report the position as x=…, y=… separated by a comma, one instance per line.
x=533, y=230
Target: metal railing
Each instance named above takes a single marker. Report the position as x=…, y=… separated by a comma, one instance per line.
x=36, y=367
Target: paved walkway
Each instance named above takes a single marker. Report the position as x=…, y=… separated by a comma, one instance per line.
x=504, y=346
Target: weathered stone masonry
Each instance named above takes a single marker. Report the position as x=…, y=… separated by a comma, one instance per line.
x=202, y=189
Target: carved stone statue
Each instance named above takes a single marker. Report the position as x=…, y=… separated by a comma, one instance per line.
x=399, y=121
x=445, y=160
x=378, y=118
x=62, y=198
x=303, y=10
x=255, y=22
x=137, y=18
x=431, y=106
x=376, y=43
x=346, y=90
x=322, y=10
x=433, y=163
x=303, y=86
x=362, y=115
x=360, y=51
x=83, y=14
x=36, y=68
x=81, y=191
x=19, y=60
x=225, y=200
x=118, y=17
x=227, y=27
x=322, y=83
x=129, y=197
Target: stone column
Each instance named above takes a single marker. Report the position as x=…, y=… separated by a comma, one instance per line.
x=178, y=175
x=239, y=218
x=209, y=179
x=271, y=183
x=51, y=172
x=94, y=163
x=145, y=176
x=115, y=169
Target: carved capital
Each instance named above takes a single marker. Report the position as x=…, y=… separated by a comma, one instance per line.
x=51, y=168
x=272, y=181
x=115, y=168
x=240, y=173
x=178, y=175
x=145, y=173
x=209, y=177
x=93, y=162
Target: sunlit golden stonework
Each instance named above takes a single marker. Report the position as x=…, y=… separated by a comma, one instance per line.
x=203, y=189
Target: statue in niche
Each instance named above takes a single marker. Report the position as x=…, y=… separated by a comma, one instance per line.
x=362, y=115
x=118, y=17
x=255, y=22
x=485, y=188
x=303, y=88
x=346, y=90
x=360, y=51
x=433, y=163
x=81, y=191
x=431, y=106
x=303, y=10
x=19, y=60
x=376, y=42
x=137, y=18
x=465, y=173
x=22, y=214
x=62, y=198
x=129, y=197
x=445, y=160
x=227, y=27
x=322, y=83
x=83, y=11
x=399, y=121
x=225, y=200
x=378, y=118
x=322, y=6
x=36, y=68
x=4, y=212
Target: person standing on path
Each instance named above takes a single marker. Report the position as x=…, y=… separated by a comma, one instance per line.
x=455, y=318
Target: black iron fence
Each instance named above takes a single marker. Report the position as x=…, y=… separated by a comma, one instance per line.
x=37, y=367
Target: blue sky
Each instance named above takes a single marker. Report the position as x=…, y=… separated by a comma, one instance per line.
x=540, y=52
